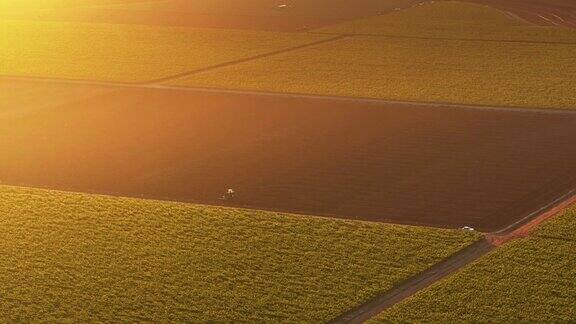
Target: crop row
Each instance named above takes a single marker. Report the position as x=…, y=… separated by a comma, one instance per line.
x=528, y=280
x=91, y=258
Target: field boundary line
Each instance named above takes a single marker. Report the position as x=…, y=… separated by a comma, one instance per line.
x=244, y=60
x=293, y=95
x=118, y=195
x=434, y=104
x=351, y=35
x=559, y=203
x=460, y=259
x=457, y=261
x=416, y=283
x=525, y=226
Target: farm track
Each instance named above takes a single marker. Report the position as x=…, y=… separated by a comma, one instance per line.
x=457, y=261
x=287, y=95
x=248, y=59
x=525, y=226
x=415, y=284
x=368, y=160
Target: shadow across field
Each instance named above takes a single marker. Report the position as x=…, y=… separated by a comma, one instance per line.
x=404, y=163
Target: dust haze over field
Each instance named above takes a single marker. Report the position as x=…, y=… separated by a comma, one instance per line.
x=396, y=160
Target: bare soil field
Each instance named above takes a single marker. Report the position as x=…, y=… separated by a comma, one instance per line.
x=368, y=160
x=253, y=14
x=539, y=12
x=267, y=14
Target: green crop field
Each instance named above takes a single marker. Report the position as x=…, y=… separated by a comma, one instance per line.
x=450, y=19
x=429, y=70
x=129, y=53
x=437, y=62
x=528, y=280
x=84, y=258
x=561, y=228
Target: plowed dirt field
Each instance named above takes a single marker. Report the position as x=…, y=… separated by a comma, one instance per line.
x=370, y=160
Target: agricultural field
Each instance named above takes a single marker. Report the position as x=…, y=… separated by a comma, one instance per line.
x=85, y=258
x=297, y=15
x=130, y=53
x=422, y=54
x=561, y=228
x=425, y=70
x=454, y=20
x=403, y=163
x=20, y=99
x=161, y=160
x=528, y=280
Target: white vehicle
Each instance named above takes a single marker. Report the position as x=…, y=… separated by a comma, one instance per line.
x=229, y=194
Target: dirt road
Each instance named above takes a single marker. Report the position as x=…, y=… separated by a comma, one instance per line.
x=415, y=284
x=456, y=262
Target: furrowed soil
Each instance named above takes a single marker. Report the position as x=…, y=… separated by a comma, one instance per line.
x=369, y=160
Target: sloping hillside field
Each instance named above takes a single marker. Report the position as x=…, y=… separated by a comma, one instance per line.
x=87, y=258
x=529, y=280
x=357, y=159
